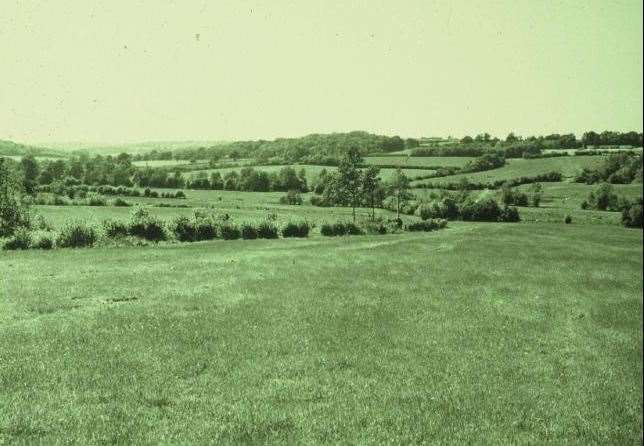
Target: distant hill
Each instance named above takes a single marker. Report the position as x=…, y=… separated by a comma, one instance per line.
x=10, y=148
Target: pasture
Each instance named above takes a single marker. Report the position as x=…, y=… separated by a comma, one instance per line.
x=518, y=167
x=312, y=341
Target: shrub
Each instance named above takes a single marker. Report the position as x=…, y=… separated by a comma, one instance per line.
x=327, y=230
x=376, y=227
x=115, y=228
x=21, y=239
x=509, y=214
x=266, y=229
x=632, y=216
x=96, y=200
x=567, y=219
x=353, y=229
x=184, y=229
x=76, y=235
x=43, y=240
x=229, y=231
x=206, y=228
x=179, y=194
x=143, y=225
x=299, y=229
x=292, y=197
x=486, y=209
x=120, y=202
x=248, y=231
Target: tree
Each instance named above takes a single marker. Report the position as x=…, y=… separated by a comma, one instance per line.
x=536, y=190
x=370, y=188
x=398, y=187
x=30, y=172
x=13, y=213
x=349, y=178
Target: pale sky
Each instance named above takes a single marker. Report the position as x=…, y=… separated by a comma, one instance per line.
x=127, y=70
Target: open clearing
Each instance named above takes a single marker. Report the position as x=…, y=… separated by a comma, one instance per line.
x=504, y=333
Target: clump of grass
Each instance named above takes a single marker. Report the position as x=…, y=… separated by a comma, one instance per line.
x=229, y=231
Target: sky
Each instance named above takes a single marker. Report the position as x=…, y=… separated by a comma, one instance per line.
x=157, y=70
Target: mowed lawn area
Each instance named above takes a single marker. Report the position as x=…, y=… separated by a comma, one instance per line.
x=480, y=333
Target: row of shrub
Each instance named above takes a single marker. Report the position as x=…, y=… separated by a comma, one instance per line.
x=82, y=190
x=427, y=225
x=142, y=225
x=465, y=184
x=89, y=200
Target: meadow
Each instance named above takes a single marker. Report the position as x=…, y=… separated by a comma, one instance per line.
x=492, y=333
x=568, y=166
x=312, y=341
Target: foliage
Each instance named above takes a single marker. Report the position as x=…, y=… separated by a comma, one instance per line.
x=296, y=229
x=267, y=229
x=77, y=234
x=21, y=239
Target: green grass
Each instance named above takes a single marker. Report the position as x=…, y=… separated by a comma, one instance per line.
x=241, y=206
x=568, y=166
x=160, y=163
x=480, y=333
x=443, y=161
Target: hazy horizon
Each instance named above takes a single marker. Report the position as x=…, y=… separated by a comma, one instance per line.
x=115, y=73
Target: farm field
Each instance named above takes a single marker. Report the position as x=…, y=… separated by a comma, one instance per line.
x=568, y=166
x=443, y=161
x=309, y=341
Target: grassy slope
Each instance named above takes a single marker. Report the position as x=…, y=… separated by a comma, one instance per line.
x=568, y=166
x=482, y=333
x=444, y=161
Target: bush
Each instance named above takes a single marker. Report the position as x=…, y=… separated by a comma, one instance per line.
x=300, y=229
x=632, y=216
x=229, y=231
x=509, y=214
x=76, y=235
x=486, y=209
x=21, y=239
x=96, y=200
x=206, y=228
x=266, y=229
x=376, y=227
x=292, y=197
x=179, y=194
x=43, y=240
x=567, y=219
x=248, y=231
x=115, y=228
x=426, y=225
x=184, y=229
x=120, y=202
x=143, y=225
x=340, y=228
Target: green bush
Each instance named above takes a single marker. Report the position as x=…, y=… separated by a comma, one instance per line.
x=509, y=215
x=266, y=229
x=144, y=225
x=485, y=209
x=229, y=231
x=340, y=228
x=296, y=229
x=568, y=219
x=184, y=229
x=76, y=234
x=632, y=216
x=248, y=231
x=43, y=240
x=115, y=228
x=96, y=200
x=327, y=230
x=21, y=239
x=427, y=225
x=206, y=228
x=120, y=202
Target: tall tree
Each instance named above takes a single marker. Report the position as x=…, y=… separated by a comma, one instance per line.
x=370, y=188
x=349, y=178
x=30, y=172
x=399, y=188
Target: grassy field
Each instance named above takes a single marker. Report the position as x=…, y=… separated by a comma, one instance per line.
x=505, y=333
x=241, y=206
x=443, y=161
x=568, y=166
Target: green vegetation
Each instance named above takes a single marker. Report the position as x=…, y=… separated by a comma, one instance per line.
x=275, y=302
x=258, y=357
